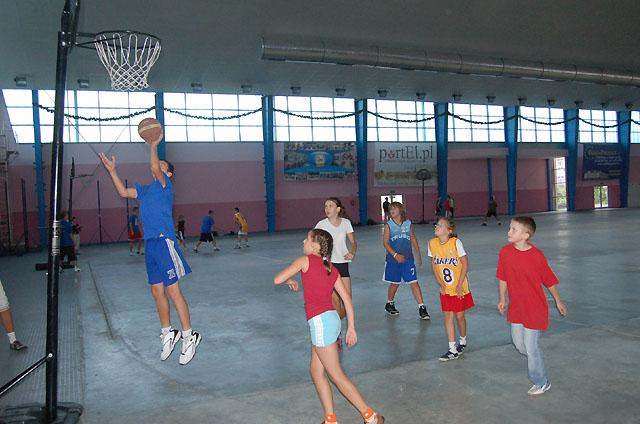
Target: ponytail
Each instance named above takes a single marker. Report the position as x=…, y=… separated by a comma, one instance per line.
x=324, y=239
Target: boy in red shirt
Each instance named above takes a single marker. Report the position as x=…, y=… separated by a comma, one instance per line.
x=522, y=271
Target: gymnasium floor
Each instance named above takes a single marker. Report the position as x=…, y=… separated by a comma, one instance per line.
x=252, y=366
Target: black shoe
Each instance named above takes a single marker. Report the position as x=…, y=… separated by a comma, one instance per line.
x=484, y=224
x=422, y=310
x=460, y=348
x=448, y=356
x=390, y=307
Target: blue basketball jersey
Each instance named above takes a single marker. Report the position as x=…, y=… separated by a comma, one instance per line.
x=400, y=239
x=133, y=223
x=156, y=209
x=207, y=223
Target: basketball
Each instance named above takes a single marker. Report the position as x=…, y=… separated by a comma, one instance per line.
x=150, y=129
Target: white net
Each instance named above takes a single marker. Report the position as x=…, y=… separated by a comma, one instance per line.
x=128, y=57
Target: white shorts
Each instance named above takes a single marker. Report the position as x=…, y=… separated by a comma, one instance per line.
x=4, y=302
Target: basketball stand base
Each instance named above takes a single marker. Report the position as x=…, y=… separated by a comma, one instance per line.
x=34, y=413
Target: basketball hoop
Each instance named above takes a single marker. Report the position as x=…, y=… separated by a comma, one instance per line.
x=128, y=57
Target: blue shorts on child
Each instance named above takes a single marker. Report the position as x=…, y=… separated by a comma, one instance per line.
x=400, y=273
x=164, y=261
x=324, y=328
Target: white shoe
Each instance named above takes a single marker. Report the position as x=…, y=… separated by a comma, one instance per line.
x=189, y=347
x=536, y=390
x=169, y=341
x=130, y=253
x=76, y=269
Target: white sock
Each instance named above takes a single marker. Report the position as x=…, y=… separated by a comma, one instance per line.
x=452, y=347
x=389, y=301
x=12, y=337
x=420, y=305
x=186, y=334
x=165, y=330
x=463, y=340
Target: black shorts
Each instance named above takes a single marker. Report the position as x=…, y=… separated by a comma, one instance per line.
x=69, y=252
x=492, y=213
x=343, y=269
x=206, y=237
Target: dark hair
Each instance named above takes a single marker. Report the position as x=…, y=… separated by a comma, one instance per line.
x=451, y=226
x=170, y=166
x=64, y=214
x=324, y=239
x=343, y=212
x=403, y=212
x=236, y=209
x=135, y=208
x=527, y=222
x=210, y=211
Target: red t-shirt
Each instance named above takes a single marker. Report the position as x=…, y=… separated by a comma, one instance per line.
x=525, y=272
x=318, y=287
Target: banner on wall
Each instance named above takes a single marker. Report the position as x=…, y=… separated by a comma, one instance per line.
x=305, y=161
x=601, y=162
x=396, y=164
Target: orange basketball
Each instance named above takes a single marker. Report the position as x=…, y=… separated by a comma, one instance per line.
x=150, y=129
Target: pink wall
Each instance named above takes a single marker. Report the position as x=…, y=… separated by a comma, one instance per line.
x=531, y=183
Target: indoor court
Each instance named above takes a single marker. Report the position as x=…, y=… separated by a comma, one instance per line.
x=257, y=114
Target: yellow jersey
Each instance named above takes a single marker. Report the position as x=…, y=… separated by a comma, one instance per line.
x=242, y=221
x=446, y=260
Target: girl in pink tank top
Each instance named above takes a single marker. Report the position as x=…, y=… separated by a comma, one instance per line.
x=319, y=279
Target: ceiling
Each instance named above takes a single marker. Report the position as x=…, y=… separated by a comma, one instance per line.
x=217, y=43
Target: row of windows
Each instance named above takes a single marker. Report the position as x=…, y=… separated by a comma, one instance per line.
x=472, y=123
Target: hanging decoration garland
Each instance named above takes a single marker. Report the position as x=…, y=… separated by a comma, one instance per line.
x=341, y=116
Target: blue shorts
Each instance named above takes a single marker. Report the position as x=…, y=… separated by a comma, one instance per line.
x=164, y=261
x=400, y=273
x=325, y=328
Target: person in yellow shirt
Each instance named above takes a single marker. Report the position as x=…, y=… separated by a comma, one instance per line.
x=243, y=233
x=450, y=265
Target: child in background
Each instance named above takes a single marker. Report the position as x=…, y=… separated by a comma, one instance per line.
x=338, y=225
x=206, y=232
x=134, y=231
x=75, y=234
x=180, y=232
x=243, y=227
x=522, y=271
x=450, y=266
x=67, y=249
x=399, y=241
x=320, y=279
x=7, y=321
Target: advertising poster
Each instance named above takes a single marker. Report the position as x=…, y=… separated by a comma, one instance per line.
x=396, y=164
x=601, y=161
x=305, y=161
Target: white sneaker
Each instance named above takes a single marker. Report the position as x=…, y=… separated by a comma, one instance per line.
x=536, y=390
x=76, y=269
x=169, y=341
x=189, y=347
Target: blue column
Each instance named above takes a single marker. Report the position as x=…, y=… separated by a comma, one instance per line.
x=490, y=177
x=268, y=125
x=39, y=168
x=511, y=141
x=549, y=186
x=571, y=126
x=162, y=147
x=442, y=138
x=624, y=138
x=362, y=159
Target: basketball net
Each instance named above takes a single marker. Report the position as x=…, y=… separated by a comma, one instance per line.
x=128, y=56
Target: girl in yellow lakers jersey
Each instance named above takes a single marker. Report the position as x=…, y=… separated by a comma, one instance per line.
x=450, y=265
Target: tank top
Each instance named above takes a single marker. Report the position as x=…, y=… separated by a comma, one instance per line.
x=400, y=239
x=318, y=287
x=447, y=262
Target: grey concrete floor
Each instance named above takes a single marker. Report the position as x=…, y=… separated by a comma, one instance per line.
x=252, y=366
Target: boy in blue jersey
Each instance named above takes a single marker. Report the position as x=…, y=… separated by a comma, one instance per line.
x=163, y=258
x=67, y=248
x=400, y=241
x=206, y=232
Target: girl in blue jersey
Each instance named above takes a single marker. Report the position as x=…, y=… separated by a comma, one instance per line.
x=400, y=241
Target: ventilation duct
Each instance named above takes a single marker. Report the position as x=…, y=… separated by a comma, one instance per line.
x=415, y=59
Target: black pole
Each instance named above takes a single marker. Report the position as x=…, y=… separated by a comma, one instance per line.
x=25, y=218
x=423, y=221
x=99, y=214
x=65, y=37
x=71, y=178
x=8, y=212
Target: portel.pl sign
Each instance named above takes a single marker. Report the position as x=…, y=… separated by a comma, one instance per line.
x=396, y=163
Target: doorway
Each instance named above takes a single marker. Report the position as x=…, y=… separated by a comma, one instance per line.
x=559, y=185
x=601, y=196
x=392, y=197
